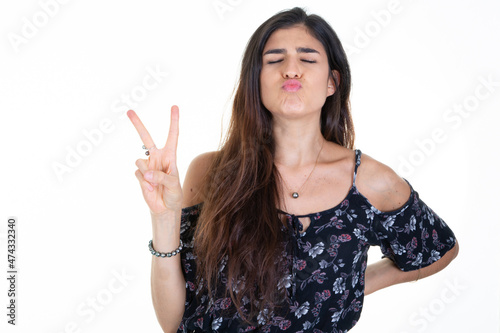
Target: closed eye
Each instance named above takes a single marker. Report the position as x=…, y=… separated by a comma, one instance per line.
x=303, y=60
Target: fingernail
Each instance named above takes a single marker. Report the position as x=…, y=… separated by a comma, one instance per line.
x=148, y=175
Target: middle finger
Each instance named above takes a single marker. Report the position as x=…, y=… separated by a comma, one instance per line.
x=141, y=129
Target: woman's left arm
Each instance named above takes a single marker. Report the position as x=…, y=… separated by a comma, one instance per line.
x=385, y=273
x=388, y=192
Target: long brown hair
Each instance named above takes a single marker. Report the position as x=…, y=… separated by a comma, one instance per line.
x=238, y=231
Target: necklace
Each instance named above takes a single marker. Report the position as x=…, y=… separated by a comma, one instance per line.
x=295, y=194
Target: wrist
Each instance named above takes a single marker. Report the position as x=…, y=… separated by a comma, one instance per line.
x=166, y=230
x=168, y=216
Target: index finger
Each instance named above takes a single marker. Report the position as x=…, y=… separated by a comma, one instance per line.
x=173, y=132
x=139, y=126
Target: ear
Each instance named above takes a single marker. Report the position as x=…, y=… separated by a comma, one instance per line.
x=331, y=83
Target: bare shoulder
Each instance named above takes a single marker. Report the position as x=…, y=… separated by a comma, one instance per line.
x=193, y=182
x=342, y=157
x=381, y=185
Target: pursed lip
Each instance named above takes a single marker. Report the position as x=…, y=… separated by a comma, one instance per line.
x=291, y=85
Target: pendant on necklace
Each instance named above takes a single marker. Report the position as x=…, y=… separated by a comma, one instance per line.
x=295, y=195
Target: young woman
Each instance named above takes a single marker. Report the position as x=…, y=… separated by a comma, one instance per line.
x=271, y=232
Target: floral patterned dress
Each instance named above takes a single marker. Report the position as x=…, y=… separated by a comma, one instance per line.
x=325, y=282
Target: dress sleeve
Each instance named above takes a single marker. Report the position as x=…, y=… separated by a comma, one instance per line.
x=413, y=236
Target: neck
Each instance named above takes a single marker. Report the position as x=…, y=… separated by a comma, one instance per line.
x=298, y=142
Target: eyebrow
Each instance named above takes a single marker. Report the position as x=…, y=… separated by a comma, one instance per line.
x=299, y=50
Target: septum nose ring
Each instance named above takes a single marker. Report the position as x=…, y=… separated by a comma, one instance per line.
x=147, y=149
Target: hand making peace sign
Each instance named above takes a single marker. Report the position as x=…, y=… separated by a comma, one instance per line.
x=158, y=174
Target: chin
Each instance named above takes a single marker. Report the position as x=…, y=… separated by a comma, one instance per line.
x=292, y=108
x=290, y=114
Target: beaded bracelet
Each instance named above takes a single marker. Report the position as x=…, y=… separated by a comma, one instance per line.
x=163, y=255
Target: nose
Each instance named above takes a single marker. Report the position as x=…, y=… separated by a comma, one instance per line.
x=291, y=70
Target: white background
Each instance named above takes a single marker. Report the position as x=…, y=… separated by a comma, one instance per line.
x=411, y=62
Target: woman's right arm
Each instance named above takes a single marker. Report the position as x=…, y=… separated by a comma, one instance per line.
x=159, y=180
x=168, y=286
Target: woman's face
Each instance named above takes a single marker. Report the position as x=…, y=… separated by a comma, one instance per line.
x=294, y=80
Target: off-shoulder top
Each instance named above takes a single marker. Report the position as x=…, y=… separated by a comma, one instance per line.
x=325, y=282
